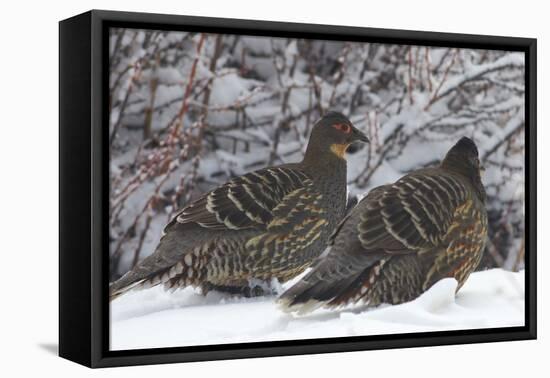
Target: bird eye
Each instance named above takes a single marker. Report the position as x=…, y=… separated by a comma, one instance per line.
x=342, y=127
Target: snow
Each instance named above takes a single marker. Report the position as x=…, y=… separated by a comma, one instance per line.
x=512, y=59
x=154, y=318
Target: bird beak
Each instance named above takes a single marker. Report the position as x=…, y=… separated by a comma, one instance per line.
x=359, y=135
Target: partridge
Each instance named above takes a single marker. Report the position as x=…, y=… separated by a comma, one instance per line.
x=402, y=238
x=265, y=225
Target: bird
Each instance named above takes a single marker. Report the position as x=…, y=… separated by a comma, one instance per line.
x=266, y=225
x=401, y=239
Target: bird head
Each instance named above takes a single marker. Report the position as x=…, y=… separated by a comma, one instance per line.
x=463, y=158
x=334, y=132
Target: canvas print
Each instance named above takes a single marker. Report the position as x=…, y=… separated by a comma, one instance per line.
x=266, y=189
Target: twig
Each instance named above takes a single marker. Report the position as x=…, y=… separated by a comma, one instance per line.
x=410, y=84
x=134, y=77
x=435, y=96
x=184, y=105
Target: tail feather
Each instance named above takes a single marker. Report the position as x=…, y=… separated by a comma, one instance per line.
x=180, y=274
x=148, y=273
x=361, y=287
x=134, y=278
x=332, y=283
x=309, y=295
x=172, y=257
x=116, y=289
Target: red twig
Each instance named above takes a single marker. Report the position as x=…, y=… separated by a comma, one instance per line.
x=184, y=103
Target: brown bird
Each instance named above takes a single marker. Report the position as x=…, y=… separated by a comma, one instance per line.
x=402, y=238
x=265, y=225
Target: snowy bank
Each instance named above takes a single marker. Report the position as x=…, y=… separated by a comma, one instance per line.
x=154, y=318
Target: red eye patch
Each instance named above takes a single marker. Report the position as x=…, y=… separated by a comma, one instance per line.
x=342, y=127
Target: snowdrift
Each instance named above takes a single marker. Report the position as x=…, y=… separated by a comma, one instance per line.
x=154, y=318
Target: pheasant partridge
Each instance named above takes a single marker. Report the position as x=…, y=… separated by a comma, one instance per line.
x=402, y=238
x=268, y=224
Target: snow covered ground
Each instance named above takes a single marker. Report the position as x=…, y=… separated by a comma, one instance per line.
x=154, y=318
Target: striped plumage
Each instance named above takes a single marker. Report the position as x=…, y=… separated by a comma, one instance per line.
x=264, y=225
x=402, y=238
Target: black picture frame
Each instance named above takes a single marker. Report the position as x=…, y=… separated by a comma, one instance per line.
x=84, y=181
